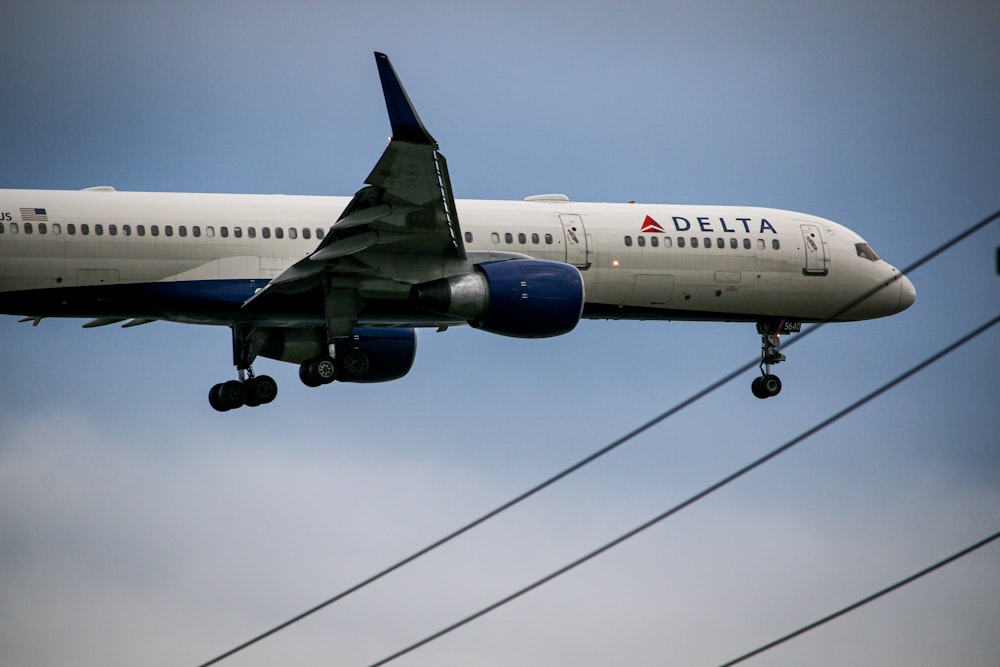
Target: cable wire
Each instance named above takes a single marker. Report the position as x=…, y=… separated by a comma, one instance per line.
x=863, y=602
x=698, y=496
x=600, y=452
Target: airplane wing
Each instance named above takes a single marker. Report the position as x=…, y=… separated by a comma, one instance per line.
x=401, y=228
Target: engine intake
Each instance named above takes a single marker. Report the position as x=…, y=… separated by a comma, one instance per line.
x=523, y=298
x=376, y=355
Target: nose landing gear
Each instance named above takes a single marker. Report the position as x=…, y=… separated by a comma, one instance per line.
x=769, y=385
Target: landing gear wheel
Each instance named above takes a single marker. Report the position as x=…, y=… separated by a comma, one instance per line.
x=228, y=396
x=766, y=386
x=260, y=390
x=318, y=371
x=214, y=398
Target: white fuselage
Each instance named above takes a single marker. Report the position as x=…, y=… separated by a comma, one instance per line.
x=637, y=260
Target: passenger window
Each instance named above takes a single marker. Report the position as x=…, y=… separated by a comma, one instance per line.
x=720, y=243
x=251, y=232
x=113, y=230
x=43, y=228
x=641, y=240
x=535, y=238
x=508, y=237
x=760, y=244
x=71, y=229
x=196, y=232
x=628, y=241
x=667, y=242
x=320, y=233
x=733, y=243
x=776, y=244
x=708, y=242
x=99, y=230
x=210, y=232
x=279, y=233
x=654, y=241
x=306, y=233
x=468, y=237
x=293, y=233
x=1, y=228
x=548, y=239
x=238, y=232
x=140, y=230
x=495, y=237
x=154, y=230
x=694, y=241
x=56, y=228
x=13, y=228
x=521, y=238
x=127, y=230
x=746, y=244
x=182, y=230
x=29, y=228
x=680, y=241
x=168, y=230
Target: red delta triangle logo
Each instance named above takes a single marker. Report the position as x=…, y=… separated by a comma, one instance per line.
x=651, y=226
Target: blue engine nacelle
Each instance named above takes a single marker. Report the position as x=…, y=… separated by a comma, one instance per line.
x=524, y=298
x=376, y=355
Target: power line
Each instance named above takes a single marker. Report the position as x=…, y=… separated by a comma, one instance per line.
x=863, y=602
x=600, y=452
x=698, y=496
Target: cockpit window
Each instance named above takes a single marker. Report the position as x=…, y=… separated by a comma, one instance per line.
x=866, y=251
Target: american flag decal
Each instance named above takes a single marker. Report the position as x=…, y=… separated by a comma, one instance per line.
x=34, y=215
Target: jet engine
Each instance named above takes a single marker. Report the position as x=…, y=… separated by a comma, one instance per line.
x=523, y=298
x=376, y=355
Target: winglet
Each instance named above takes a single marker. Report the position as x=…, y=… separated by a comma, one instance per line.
x=406, y=125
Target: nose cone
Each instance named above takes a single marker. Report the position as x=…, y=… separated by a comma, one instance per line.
x=907, y=294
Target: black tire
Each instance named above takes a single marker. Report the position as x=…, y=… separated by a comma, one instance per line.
x=215, y=398
x=757, y=387
x=318, y=371
x=261, y=390
x=306, y=375
x=233, y=394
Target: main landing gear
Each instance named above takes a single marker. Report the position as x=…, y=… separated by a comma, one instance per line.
x=768, y=385
x=253, y=390
x=250, y=390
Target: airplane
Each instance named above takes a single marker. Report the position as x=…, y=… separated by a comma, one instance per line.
x=338, y=285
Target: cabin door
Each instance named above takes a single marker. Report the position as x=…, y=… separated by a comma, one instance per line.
x=575, y=238
x=816, y=254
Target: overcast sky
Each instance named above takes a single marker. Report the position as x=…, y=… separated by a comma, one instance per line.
x=138, y=526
